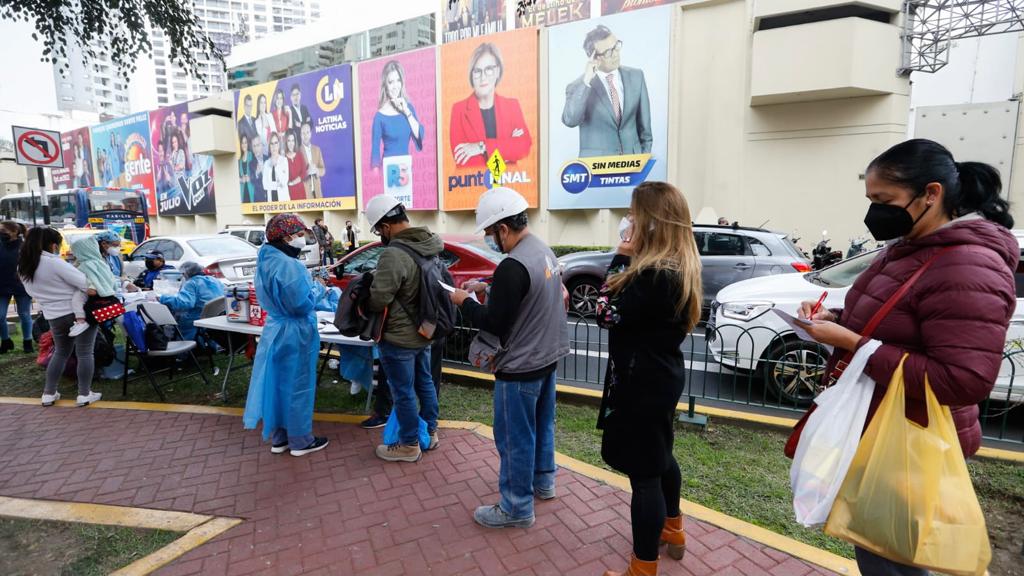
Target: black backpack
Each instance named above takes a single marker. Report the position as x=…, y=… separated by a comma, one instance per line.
x=436, y=317
x=352, y=317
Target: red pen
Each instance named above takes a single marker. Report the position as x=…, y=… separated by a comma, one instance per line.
x=817, y=307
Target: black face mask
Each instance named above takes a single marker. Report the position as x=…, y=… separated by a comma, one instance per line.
x=385, y=240
x=886, y=221
x=151, y=265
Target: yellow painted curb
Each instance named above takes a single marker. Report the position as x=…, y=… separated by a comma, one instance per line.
x=100, y=514
x=193, y=539
x=198, y=528
x=999, y=454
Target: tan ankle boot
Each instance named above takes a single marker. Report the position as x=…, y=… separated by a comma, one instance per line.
x=673, y=535
x=637, y=567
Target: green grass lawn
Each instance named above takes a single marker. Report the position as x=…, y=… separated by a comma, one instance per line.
x=737, y=470
x=69, y=548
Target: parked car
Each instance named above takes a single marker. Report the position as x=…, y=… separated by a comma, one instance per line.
x=257, y=235
x=744, y=335
x=467, y=258
x=728, y=254
x=230, y=259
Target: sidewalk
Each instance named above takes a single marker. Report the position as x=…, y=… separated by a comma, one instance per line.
x=340, y=511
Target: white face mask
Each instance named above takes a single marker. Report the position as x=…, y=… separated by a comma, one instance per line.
x=297, y=242
x=625, y=228
x=114, y=251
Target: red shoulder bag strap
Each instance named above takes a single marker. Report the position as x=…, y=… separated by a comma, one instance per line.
x=869, y=329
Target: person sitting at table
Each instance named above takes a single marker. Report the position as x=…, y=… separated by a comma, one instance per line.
x=282, y=389
x=196, y=292
x=155, y=264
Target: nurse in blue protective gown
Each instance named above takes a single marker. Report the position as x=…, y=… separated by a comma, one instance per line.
x=283, y=385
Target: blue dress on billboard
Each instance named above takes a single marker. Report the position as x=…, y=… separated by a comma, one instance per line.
x=283, y=385
x=395, y=132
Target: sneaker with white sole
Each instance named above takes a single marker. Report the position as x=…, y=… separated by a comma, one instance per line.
x=50, y=399
x=354, y=389
x=88, y=399
x=495, y=517
x=78, y=328
x=279, y=448
x=317, y=445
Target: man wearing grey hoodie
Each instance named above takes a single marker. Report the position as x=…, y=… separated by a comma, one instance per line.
x=404, y=352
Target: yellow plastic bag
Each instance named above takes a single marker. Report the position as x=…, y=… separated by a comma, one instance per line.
x=908, y=496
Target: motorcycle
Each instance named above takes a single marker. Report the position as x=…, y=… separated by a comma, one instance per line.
x=823, y=255
x=857, y=246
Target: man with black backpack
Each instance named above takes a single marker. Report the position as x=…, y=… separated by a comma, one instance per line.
x=408, y=284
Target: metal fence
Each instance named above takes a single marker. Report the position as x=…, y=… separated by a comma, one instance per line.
x=759, y=369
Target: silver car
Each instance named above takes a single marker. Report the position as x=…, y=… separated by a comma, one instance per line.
x=228, y=258
x=728, y=254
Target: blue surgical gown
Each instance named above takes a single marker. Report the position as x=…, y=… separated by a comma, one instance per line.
x=188, y=303
x=283, y=385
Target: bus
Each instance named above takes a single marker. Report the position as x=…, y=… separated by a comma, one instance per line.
x=123, y=210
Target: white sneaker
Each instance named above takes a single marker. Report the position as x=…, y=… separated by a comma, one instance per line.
x=50, y=399
x=78, y=328
x=86, y=400
x=354, y=389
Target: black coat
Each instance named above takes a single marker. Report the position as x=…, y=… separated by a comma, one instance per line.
x=10, y=284
x=646, y=372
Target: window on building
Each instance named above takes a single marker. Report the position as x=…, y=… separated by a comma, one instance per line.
x=67, y=98
x=161, y=90
x=260, y=18
x=161, y=81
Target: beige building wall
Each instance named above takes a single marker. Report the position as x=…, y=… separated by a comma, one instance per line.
x=774, y=129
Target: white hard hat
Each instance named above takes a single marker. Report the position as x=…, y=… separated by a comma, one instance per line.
x=379, y=206
x=497, y=204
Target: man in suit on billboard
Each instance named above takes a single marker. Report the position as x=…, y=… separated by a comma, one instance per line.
x=609, y=102
x=247, y=123
x=297, y=112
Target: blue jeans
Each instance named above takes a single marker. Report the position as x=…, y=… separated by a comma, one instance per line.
x=870, y=564
x=280, y=436
x=408, y=374
x=524, y=434
x=24, y=304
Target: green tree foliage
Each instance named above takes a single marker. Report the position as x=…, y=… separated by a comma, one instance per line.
x=114, y=27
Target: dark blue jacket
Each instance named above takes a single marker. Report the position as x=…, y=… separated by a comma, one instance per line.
x=10, y=284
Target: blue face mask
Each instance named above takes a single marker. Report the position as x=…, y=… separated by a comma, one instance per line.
x=492, y=243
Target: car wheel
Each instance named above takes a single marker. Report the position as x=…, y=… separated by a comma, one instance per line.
x=793, y=371
x=583, y=293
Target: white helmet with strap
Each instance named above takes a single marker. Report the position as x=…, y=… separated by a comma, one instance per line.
x=380, y=206
x=497, y=204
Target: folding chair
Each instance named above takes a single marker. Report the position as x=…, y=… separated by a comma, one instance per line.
x=160, y=315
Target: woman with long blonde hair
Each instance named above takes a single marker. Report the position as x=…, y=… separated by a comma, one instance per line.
x=650, y=302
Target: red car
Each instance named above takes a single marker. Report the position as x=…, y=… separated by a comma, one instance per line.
x=467, y=257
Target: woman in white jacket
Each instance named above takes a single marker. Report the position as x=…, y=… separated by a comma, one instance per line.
x=51, y=282
x=275, y=172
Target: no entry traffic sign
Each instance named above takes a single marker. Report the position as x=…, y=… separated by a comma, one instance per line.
x=33, y=147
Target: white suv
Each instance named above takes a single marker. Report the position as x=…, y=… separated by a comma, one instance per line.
x=743, y=335
x=256, y=235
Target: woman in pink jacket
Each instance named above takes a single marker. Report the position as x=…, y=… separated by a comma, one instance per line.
x=952, y=322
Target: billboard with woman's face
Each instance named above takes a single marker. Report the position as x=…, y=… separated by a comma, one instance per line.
x=608, y=108
x=398, y=128
x=489, y=102
x=76, y=146
x=184, y=181
x=296, y=151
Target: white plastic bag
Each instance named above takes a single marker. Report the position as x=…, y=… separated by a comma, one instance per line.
x=829, y=440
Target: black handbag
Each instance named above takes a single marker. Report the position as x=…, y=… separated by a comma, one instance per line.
x=157, y=335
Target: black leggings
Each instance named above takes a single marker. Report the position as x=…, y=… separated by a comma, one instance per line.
x=654, y=499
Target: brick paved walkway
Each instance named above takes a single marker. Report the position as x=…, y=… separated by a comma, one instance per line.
x=340, y=511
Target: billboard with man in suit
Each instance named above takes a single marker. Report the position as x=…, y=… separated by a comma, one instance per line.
x=614, y=115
